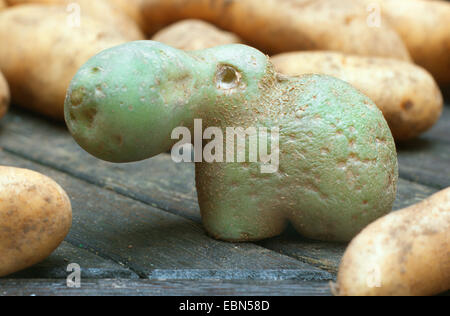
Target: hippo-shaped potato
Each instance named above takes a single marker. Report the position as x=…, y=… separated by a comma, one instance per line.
x=335, y=165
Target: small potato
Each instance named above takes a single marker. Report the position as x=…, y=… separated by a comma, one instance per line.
x=404, y=253
x=4, y=96
x=195, y=35
x=407, y=95
x=35, y=217
x=40, y=71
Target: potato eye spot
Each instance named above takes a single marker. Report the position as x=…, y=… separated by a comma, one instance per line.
x=407, y=105
x=77, y=96
x=95, y=70
x=227, y=77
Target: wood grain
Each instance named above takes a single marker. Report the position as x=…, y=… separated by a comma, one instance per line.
x=93, y=266
x=36, y=287
x=145, y=239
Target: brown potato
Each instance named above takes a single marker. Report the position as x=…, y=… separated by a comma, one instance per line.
x=133, y=8
x=35, y=217
x=194, y=35
x=4, y=96
x=276, y=26
x=43, y=55
x=404, y=253
x=2, y=4
x=425, y=28
x=102, y=10
x=407, y=95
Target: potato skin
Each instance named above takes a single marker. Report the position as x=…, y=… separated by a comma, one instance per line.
x=276, y=26
x=40, y=72
x=424, y=27
x=101, y=10
x=407, y=95
x=408, y=250
x=35, y=217
x=4, y=96
x=194, y=35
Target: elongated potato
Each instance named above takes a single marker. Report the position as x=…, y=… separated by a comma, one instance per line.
x=276, y=26
x=195, y=35
x=4, y=96
x=407, y=95
x=35, y=217
x=102, y=10
x=404, y=253
x=425, y=28
x=43, y=55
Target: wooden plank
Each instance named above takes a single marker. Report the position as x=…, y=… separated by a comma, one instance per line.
x=425, y=161
x=139, y=181
x=327, y=256
x=441, y=131
x=146, y=239
x=93, y=266
x=409, y=193
x=158, y=181
x=164, y=288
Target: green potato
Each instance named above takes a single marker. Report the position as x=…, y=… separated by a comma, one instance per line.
x=336, y=170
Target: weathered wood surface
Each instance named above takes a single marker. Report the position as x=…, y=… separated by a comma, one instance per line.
x=93, y=266
x=145, y=239
x=166, y=288
x=142, y=220
x=426, y=160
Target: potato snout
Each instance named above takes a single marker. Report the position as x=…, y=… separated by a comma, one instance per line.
x=337, y=168
x=35, y=217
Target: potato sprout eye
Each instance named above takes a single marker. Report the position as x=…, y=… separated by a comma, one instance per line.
x=227, y=77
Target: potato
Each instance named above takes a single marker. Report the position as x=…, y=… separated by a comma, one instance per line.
x=404, y=253
x=333, y=173
x=276, y=26
x=130, y=8
x=102, y=10
x=425, y=28
x=133, y=8
x=2, y=4
x=407, y=95
x=4, y=96
x=40, y=71
x=35, y=217
x=194, y=35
